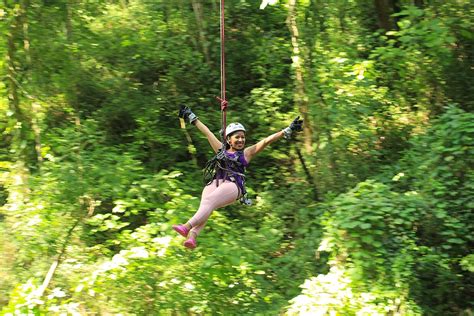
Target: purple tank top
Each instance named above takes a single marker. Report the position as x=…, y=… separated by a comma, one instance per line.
x=237, y=168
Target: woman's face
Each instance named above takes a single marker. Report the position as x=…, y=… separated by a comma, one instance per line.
x=237, y=140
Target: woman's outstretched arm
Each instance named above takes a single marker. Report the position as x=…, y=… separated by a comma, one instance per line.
x=186, y=114
x=295, y=126
x=251, y=151
x=213, y=141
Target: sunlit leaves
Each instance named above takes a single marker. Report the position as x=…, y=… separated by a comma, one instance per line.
x=369, y=232
x=468, y=263
x=264, y=3
x=111, y=76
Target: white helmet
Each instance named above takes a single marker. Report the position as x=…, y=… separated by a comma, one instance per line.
x=234, y=127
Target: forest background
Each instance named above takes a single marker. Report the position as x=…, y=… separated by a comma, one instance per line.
x=369, y=211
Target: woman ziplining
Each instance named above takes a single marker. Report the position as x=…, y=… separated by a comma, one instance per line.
x=225, y=173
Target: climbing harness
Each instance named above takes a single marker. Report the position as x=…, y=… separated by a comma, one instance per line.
x=222, y=166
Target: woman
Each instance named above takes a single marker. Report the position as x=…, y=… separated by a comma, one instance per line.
x=226, y=184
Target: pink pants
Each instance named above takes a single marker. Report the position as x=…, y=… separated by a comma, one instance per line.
x=213, y=197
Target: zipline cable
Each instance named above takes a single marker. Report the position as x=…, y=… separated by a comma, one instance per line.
x=223, y=99
x=221, y=161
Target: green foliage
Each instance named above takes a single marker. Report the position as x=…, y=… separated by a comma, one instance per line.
x=439, y=167
x=370, y=233
x=467, y=263
x=375, y=229
x=108, y=169
x=389, y=244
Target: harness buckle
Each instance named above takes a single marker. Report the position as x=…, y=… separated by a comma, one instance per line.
x=245, y=200
x=221, y=155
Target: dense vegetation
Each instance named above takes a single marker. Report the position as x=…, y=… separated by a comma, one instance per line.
x=368, y=212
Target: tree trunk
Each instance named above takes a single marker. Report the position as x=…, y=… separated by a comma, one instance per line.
x=384, y=9
x=330, y=163
x=300, y=97
x=34, y=107
x=197, y=8
x=26, y=36
x=342, y=16
x=309, y=177
x=35, y=125
x=69, y=29
x=420, y=4
x=20, y=122
x=74, y=58
x=58, y=260
x=12, y=88
x=123, y=4
x=89, y=204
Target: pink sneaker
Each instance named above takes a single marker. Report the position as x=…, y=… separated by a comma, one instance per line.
x=181, y=229
x=190, y=243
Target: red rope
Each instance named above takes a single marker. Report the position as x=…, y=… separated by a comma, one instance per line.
x=223, y=88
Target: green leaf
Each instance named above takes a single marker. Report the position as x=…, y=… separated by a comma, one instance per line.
x=367, y=239
x=455, y=241
x=365, y=225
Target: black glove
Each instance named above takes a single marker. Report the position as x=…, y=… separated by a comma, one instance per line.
x=187, y=114
x=295, y=126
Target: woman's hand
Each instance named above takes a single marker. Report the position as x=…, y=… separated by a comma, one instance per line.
x=186, y=113
x=295, y=126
